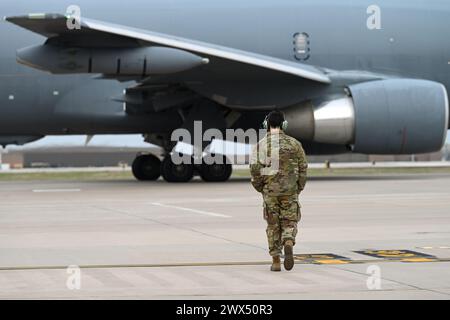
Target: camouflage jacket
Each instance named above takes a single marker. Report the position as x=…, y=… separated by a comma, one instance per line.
x=278, y=165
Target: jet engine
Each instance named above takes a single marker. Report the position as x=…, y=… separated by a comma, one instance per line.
x=397, y=116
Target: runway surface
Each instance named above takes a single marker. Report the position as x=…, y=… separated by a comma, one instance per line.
x=207, y=241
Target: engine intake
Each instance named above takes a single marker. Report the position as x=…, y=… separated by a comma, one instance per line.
x=398, y=116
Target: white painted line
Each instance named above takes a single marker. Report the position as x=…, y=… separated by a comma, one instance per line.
x=206, y=213
x=55, y=190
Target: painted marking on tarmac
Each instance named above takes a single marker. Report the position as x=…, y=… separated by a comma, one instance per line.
x=399, y=255
x=55, y=190
x=418, y=260
x=204, y=264
x=205, y=213
x=325, y=258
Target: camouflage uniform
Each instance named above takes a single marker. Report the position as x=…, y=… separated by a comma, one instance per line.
x=278, y=169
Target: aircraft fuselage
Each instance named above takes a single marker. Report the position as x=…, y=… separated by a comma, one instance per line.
x=409, y=40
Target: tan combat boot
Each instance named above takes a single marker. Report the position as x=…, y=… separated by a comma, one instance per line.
x=289, y=255
x=276, y=264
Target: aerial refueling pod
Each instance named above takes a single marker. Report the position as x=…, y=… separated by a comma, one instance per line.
x=141, y=61
x=398, y=116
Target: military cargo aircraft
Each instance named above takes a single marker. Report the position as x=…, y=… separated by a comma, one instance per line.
x=350, y=76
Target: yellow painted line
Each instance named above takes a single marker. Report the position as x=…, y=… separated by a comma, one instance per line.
x=208, y=264
x=418, y=260
x=399, y=255
x=124, y=266
x=55, y=190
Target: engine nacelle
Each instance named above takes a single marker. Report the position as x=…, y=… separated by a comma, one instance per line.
x=398, y=116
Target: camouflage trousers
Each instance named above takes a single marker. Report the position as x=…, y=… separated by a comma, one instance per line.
x=282, y=214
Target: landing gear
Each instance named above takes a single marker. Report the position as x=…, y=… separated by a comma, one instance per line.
x=216, y=172
x=177, y=173
x=150, y=168
x=147, y=168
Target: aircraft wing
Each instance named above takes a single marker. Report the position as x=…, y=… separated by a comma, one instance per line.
x=94, y=33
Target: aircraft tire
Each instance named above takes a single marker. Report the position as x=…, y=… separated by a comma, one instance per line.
x=176, y=173
x=216, y=172
x=146, y=168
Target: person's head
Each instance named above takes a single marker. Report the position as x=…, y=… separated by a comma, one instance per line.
x=276, y=121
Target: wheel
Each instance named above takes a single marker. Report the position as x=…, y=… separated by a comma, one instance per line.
x=216, y=172
x=146, y=168
x=178, y=173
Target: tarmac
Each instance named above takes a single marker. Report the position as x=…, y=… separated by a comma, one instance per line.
x=132, y=240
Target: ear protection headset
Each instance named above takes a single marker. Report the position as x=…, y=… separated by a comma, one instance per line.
x=265, y=124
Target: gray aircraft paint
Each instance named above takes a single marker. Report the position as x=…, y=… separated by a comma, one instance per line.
x=411, y=43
